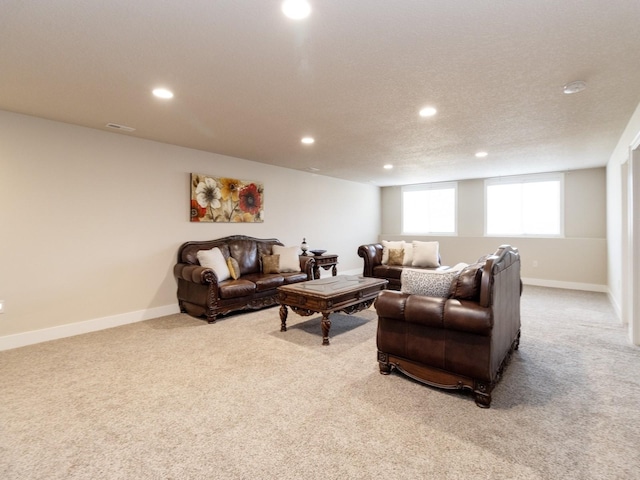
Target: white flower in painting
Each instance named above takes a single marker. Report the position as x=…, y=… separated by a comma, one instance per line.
x=208, y=193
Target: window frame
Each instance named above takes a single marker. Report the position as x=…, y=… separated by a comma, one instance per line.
x=431, y=186
x=521, y=179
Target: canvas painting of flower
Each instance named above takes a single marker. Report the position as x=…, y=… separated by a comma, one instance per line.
x=223, y=199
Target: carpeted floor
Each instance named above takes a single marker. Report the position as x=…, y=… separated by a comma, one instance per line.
x=176, y=398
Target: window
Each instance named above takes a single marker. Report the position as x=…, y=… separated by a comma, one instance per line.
x=429, y=208
x=525, y=206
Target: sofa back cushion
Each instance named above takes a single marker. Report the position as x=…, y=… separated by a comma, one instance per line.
x=189, y=251
x=245, y=251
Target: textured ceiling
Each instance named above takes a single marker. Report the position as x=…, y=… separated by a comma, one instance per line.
x=249, y=82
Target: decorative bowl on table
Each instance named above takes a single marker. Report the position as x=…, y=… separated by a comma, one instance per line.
x=317, y=252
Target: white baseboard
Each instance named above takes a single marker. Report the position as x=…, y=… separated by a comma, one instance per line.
x=589, y=287
x=616, y=307
x=69, y=330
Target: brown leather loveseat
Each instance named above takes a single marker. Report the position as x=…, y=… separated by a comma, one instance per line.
x=459, y=341
x=203, y=292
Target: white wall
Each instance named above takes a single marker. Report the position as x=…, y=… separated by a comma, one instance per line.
x=576, y=261
x=615, y=209
x=90, y=222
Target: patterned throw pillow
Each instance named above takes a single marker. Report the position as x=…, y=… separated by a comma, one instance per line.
x=428, y=283
x=270, y=263
x=396, y=256
x=234, y=268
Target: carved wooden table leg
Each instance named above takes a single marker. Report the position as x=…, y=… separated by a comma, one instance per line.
x=326, y=326
x=283, y=318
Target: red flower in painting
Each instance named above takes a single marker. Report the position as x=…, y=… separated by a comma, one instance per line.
x=197, y=212
x=250, y=200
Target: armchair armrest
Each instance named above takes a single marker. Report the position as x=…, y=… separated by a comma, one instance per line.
x=195, y=273
x=405, y=307
x=391, y=304
x=306, y=265
x=372, y=255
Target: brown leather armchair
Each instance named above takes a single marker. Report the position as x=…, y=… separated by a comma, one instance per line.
x=463, y=341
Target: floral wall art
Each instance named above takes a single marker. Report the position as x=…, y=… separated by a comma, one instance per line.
x=223, y=199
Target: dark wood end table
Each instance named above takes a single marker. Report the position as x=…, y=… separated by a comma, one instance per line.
x=342, y=293
x=326, y=261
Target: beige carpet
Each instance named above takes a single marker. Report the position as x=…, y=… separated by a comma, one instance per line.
x=176, y=398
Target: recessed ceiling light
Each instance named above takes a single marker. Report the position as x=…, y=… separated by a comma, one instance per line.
x=574, y=87
x=296, y=9
x=481, y=154
x=162, y=93
x=428, y=112
x=307, y=140
x=388, y=166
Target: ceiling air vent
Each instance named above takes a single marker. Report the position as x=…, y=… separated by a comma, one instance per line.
x=122, y=128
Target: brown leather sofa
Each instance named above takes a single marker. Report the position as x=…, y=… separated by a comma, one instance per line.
x=460, y=342
x=201, y=294
x=373, y=266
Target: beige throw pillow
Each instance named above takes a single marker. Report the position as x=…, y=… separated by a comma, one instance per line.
x=289, y=258
x=408, y=254
x=426, y=254
x=214, y=260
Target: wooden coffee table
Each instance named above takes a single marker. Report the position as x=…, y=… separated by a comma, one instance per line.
x=343, y=293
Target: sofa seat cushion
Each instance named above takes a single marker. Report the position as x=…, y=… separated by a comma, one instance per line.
x=265, y=281
x=294, y=277
x=269, y=282
x=387, y=271
x=237, y=288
